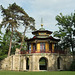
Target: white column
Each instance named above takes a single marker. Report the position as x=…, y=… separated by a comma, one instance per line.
x=12, y=63
x=19, y=62
x=24, y=63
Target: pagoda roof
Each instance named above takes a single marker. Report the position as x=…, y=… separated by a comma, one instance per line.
x=48, y=38
x=42, y=37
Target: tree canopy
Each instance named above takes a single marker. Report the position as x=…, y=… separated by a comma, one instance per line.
x=66, y=33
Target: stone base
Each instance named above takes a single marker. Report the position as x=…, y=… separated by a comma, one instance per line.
x=19, y=62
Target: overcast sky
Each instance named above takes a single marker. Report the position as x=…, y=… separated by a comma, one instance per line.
x=47, y=9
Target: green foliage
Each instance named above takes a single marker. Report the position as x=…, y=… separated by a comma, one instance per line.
x=5, y=41
x=15, y=8
x=72, y=67
x=2, y=57
x=66, y=24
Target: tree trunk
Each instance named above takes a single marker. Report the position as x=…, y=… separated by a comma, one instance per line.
x=10, y=42
x=22, y=42
x=23, y=38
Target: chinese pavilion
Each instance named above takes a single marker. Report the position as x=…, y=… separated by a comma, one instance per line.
x=42, y=42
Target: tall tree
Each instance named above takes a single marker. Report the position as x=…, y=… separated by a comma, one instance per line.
x=11, y=19
x=66, y=30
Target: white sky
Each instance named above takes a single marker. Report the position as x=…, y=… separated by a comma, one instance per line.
x=47, y=9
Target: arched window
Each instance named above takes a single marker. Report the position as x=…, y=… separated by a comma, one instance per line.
x=58, y=62
x=27, y=64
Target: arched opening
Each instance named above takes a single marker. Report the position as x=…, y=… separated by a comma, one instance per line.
x=59, y=62
x=43, y=62
x=27, y=64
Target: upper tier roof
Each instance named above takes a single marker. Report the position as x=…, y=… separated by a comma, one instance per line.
x=35, y=32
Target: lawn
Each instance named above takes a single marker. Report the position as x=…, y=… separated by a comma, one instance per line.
x=38, y=73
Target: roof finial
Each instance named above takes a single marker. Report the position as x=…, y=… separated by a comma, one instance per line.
x=42, y=22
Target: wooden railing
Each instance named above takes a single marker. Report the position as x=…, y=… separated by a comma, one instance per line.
x=42, y=51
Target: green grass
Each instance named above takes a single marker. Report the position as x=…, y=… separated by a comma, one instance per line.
x=38, y=73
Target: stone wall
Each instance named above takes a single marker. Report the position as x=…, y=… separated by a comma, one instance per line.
x=6, y=63
x=18, y=62
x=52, y=61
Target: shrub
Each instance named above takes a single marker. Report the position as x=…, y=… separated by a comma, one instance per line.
x=72, y=67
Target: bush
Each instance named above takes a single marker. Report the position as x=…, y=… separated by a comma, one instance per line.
x=2, y=57
x=72, y=67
